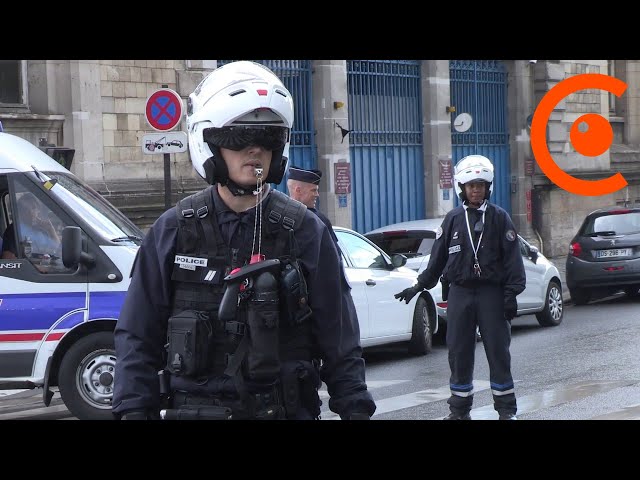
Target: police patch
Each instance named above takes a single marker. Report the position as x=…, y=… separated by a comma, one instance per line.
x=511, y=235
x=438, y=232
x=190, y=263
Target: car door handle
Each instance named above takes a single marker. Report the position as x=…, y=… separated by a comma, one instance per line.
x=370, y=282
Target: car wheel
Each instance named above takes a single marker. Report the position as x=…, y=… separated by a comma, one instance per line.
x=421, y=341
x=579, y=297
x=86, y=377
x=553, y=311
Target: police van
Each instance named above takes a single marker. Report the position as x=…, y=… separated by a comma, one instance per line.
x=66, y=258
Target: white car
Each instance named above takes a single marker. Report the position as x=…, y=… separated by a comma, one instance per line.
x=542, y=295
x=375, y=278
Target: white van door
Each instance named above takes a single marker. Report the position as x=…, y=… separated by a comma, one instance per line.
x=40, y=299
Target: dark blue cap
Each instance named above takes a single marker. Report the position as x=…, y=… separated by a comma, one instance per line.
x=303, y=175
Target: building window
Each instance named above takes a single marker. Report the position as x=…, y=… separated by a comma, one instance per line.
x=13, y=83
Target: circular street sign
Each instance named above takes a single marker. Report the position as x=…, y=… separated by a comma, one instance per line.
x=164, y=109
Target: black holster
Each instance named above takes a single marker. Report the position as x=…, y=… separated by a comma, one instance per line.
x=445, y=288
x=263, y=357
x=188, y=337
x=300, y=384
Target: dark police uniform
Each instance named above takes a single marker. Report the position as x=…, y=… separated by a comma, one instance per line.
x=141, y=331
x=478, y=300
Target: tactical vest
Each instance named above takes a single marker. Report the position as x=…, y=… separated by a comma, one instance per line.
x=203, y=260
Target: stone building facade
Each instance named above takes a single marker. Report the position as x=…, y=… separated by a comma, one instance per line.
x=97, y=108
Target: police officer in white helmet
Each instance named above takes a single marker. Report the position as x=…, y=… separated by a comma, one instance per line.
x=227, y=298
x=477, y=252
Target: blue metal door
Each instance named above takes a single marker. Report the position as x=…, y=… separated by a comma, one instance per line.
x=385, y=123
x=479, y=88
x=296, y=76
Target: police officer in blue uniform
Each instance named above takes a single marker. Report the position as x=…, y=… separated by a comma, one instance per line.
x=478, y=254
x=224, y=285
x=304, y=186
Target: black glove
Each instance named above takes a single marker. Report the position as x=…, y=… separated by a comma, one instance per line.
x=510, y=307
x=135, y=415
x=445, y=288
x=408, y=293
x=359, y=416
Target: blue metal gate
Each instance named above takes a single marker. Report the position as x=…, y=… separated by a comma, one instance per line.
x=296, y=76
x=479, y=88
x=385, y=122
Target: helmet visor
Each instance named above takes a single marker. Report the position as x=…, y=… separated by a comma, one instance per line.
x=240, y=137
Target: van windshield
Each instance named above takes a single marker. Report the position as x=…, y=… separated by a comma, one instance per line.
x=88, y=204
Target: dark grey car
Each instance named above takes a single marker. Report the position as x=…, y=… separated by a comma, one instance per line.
x=604, y=256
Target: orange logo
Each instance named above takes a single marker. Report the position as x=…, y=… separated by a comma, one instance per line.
x=594, y=141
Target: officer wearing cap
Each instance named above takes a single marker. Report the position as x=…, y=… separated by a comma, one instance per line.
x=303, y=186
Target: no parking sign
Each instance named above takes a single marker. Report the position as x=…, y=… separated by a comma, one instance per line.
x=164, y=109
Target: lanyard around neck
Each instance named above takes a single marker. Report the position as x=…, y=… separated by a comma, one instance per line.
x=474, y=247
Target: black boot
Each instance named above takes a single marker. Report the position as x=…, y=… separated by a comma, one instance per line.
x=458, y=416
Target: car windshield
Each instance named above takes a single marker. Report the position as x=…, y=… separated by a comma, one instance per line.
x=409, y=246
x=616, y=224
x=108, y=221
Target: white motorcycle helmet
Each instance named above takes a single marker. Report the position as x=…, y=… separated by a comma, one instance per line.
x=470, y=168
x=239, y=104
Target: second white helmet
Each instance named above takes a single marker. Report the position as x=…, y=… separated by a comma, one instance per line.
x=470, y=168
x=237, y=104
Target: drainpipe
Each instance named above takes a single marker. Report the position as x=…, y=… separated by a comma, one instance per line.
x=539, y=239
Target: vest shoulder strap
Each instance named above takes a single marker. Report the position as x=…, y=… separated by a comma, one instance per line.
x=285, y=212
x=284, y=216
x=190, y=211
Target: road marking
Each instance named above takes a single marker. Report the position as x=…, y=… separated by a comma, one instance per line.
x=370, y=385
x=526, y=404
x=5, y=393
x=414, y=399
x=32, y=412
x=631, y=412
x=552, y=397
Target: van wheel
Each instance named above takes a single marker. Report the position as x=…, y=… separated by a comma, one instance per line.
x=551, y=315
x=421, y=341
x=86, y=377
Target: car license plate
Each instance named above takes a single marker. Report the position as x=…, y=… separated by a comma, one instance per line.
x=613, y=252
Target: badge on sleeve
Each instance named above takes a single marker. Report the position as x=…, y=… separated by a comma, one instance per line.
x=438, y=233
x=511, y=235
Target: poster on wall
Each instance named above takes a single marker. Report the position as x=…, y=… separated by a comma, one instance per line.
x=446, y=177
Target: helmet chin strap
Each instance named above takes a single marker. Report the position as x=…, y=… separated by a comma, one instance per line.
x=482, y=206
x=239, y=190
x=216, y=172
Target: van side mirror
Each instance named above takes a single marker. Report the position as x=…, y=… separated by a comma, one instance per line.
x=533, y=252
x=398, y=260
x=72, y=253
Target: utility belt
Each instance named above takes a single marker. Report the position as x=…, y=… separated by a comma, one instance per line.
x=293, y=395
x=475, y=283
x=188, y=406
